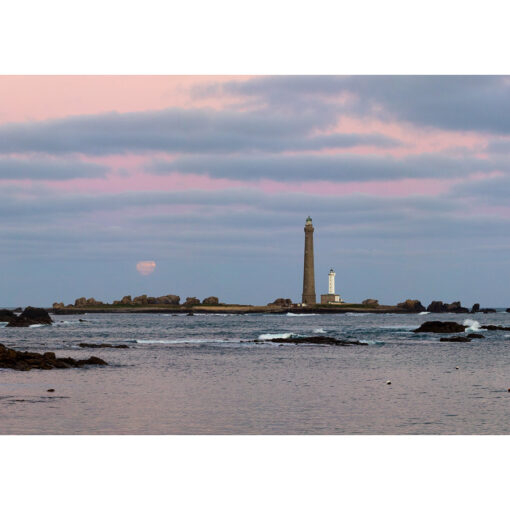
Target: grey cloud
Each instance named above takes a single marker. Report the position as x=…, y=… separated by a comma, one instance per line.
x=46, y=169
x=464, y=103
x=177, y=130
x=343, y=167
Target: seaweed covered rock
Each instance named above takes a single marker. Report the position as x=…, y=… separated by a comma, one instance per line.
x=29, y=317
x=440, y=327
x=320, y=340
x=18, y=360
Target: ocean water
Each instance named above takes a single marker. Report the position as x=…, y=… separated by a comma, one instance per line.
x=204, y=375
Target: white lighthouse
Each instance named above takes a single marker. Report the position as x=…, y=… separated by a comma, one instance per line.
x=331, y=298
x=331, y=275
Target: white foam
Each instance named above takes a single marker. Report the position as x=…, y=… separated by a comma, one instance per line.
x=319, y=330
x=271, y=336
x=290, y=314
x=472, y=325
x=38, y=325
x=354, y=314
x=423, y=313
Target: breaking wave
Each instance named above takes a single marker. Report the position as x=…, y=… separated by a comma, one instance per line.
x=290, y=314
x=472, y=325
x=271, y=336
x=182, y=341
x=319, y=330
x=423, y=313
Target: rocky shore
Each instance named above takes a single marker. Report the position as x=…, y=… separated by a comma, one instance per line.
x=317, y=340
x=24, y=360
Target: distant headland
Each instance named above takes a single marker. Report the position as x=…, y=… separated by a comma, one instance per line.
x=329, y=303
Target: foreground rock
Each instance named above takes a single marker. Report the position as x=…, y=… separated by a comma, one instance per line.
x=29, y=317
x=85, y=345
x=321, y=340
x=18, y=360
x=455, y=339
x=475, y=335
x=440, y=327
x=412, y=305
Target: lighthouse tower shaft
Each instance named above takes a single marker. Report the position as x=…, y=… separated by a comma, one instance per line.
x=309, y=297
x=331, y=289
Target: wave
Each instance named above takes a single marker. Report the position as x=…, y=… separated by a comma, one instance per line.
x=271, y=336
x=355, y=314
x=472, y=325
x=319, y=330
x=423, y=313
x=290, y=314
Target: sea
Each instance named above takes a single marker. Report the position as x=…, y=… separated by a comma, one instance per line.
x=204, y=374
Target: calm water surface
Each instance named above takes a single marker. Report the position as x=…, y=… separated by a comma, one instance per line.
x=198, y=375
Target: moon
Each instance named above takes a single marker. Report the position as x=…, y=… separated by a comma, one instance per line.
x=145, y=267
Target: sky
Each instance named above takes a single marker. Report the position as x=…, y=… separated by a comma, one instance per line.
x=200, y=186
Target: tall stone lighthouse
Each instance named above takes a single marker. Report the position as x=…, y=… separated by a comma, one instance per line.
x=308, y=297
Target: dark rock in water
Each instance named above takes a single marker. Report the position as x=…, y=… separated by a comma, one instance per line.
x=475, y=335
x=51, y=390
x=488, y=310
x=507, y=310
x=436, y=307
x=370, y=302
x=100, y=346
x=455, y=339
x=412, y=305
x=211, y=300
x=440, y=327
x=190, y=314
x=281, y=302
x=496, y=328
x=18, y=360
x=29, y=317
x=6, y=315
x=321, y=340
x=440, y=307
x=476, y=308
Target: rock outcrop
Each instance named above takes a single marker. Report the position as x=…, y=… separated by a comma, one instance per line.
x=488, y=310
x=29, y=317
x=281, y=302
x=211, y=300
x=490, y=327
x=6, y=315
x=140, y=300
x=475, y=308
x=85, y=345
x=440, y=307
x=370, y=302
x=126, y=300
x=320, y=340
x=412, y=305
x=92, y=302
x=191, y=301
x=440, y=327
x=169, y=299
x=57, y=306
x=455, y=339
x=475, y=335
x=18, y=360
x=80, y=302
